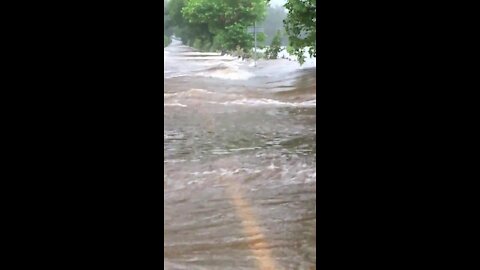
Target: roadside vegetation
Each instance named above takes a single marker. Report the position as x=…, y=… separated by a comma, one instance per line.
x=222, y=26
x=166, y=41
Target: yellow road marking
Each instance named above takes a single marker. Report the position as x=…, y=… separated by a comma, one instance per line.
x=251, y=229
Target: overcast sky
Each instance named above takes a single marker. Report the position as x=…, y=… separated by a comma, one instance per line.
x=277, y=2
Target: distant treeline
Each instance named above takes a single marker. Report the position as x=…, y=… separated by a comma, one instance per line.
x=273, y=23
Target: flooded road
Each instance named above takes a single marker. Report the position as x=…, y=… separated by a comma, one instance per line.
x=240, y=162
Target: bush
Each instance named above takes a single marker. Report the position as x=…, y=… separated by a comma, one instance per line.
x=197, y=44
x=207, y=46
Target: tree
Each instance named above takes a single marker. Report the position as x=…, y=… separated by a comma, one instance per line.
x=272, y=52
x=301, y=28
x=214, y=24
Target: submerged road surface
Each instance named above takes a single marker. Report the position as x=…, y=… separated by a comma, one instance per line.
x=240, y=163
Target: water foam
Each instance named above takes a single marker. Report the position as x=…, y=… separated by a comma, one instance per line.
x=176, y=104
x=268, y=102
x=228, y=71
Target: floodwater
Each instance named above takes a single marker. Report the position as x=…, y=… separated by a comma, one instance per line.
x=240, y=162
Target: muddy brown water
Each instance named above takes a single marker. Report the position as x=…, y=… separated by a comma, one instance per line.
x=240, y=163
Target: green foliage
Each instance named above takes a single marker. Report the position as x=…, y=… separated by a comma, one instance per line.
x=215, y=24
x=175, y=21
x=275, y=48
x=166, y=41
x=290, y=50
x=235, y=35
x=300, y=26
x=261, y=37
